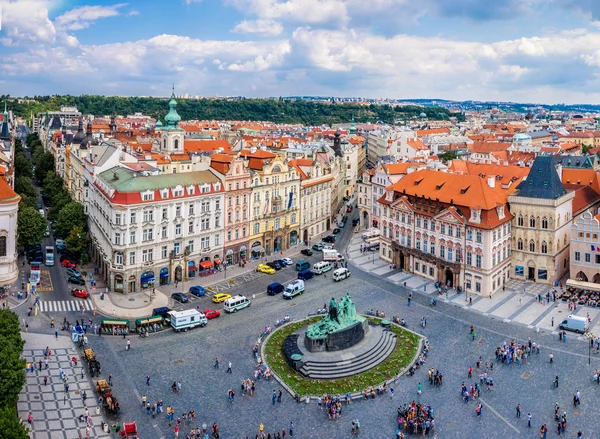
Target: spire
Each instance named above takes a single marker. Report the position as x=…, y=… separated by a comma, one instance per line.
x=172, y=118
x=352, y=130
x=173, y=91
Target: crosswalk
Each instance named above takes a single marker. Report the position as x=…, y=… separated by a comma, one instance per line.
x=65, y=305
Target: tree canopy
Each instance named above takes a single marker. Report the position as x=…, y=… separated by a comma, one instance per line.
x=31, y=226
x=71, y=216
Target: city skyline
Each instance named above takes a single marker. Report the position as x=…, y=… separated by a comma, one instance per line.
x=538, y=51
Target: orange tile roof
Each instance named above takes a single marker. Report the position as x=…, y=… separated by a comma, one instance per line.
x=487, y=147
x=585, y=197
x=579, y=176
x=7, y=194
x=400, y=168
x=417, y=144
x=195, y=145
x=432, y=131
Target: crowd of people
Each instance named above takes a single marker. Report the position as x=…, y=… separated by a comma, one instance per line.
x=415, y=418
x=516, y=353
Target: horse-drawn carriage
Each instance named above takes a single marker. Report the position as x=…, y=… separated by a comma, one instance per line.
x=129, y=431
x=109, y=402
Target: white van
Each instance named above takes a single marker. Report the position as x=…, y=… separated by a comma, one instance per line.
x=371, y=233
x=235, y=303
x=574, y=323
x=321, y=267
x=293, y=289
x=341, y=274
x=188, y=319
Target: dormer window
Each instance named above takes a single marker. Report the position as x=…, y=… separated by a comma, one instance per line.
x=475, y=215
x=147, y=196
x=190, y=190
x=164, y=193
x=178, y=192
x=205, y=188
x=217, y=186
x=389, y=196
x=500, y=212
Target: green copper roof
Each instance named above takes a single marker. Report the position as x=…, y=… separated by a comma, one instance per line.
x=172, y=118
x=128, y=180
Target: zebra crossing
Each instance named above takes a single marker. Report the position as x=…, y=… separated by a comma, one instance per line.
x=65, y=305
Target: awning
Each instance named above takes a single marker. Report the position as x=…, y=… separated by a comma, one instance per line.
x=217, y=261
x=192, y=268
x=242, y=248
x=583, y=285
x=147, y=276
x=258, y=249
x=206, y=264
x=229, y=252
x=115, y=322
x=164, y=272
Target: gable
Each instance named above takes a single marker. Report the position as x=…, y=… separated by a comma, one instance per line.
x=450, y=215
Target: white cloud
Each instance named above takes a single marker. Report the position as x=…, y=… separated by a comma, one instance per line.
x=260, y=26
x=296, y=11
x=83, y=16
x=189, y=2
x=26, y=22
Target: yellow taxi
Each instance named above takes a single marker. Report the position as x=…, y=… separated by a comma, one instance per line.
x=265, y=269
x=218, y=298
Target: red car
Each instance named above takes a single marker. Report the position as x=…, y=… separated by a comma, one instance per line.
x=83, y=294
x=349, y=209
x=211, y=313
x=68, y=264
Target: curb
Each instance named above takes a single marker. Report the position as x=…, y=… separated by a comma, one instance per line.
x=355, y=395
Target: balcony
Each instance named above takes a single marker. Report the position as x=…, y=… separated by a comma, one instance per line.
x=277, y=200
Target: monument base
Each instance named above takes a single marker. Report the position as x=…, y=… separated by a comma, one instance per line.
x=338, y=340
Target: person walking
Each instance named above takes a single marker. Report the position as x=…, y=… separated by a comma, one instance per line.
x=229, y=368
x=291, y=429
x=556, y=382
x=147, y=380
x=279, y=394
x=551, y=358
x=518, y=410
x=216, y=366
x=128, y=345
x=529, y=420
x=274, y=397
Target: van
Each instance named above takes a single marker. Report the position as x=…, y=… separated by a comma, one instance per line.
x=305, y=275
x=235, y=303
x=162, y=311
x=321, y=267
x=302, y=265
x=188, y=319
x=274, y=288
x=294, y=288
x=574, y=323
x=341, y=274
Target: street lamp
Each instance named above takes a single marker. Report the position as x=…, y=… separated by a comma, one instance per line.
x=590, y=337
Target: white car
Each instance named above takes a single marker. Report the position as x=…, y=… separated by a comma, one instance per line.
x=287, y=261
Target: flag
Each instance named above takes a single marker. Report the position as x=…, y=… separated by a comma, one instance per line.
x=266, y=206
x=593, y=248
x=291, y=198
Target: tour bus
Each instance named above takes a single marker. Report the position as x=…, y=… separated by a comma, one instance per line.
x=235, y=303
x=188, y=319
x=49, y=256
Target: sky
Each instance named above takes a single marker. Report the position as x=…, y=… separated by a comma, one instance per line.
x=543, y=51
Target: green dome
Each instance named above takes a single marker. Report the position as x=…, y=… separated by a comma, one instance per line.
x=158, y=124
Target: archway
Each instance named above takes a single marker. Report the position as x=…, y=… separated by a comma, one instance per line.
x=293, y=237
x=277, y=244
x=449, y=277
x=401, y=262
x=118, y=283
x=257, y=250
x=582, y=277
x=178, y=272
x=305, y=237
x=131, y=284
x=328, y=224
x=597, y=278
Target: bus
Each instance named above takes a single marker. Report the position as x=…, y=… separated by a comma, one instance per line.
x=49, y=256
x=34, y=275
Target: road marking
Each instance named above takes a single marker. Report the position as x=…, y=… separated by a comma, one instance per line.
x=500, y=416
x=64, y=306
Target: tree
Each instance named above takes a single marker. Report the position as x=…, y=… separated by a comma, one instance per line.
x=44, y=164
x=12, y=365
x=69, y=217
x=22, y=165
x=10, y=425
x=31, y=226
x=23, y=186
x=77, y=240
x=585, y=148
x=447, y=156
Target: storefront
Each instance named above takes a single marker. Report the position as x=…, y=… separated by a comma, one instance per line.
x=229, y=257
x=206, y=267
x=192, y=269
x=293, y=238
x=147, y=279
x=118, y=283
x=243, y=253
x=164, y=276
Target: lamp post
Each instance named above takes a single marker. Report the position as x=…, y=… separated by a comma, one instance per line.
x=590, y=337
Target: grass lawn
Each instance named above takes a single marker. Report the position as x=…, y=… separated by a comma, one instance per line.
x=406, y=348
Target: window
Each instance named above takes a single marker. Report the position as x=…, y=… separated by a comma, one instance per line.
x=148, y=216
x=430, y=271
x=190, y=210
x=165, y=214
x=424, y=269
x=164, y=252
x=164, y=234
x=244, y=232
x=148, y=196
x=443, y=229
x=450, y=230
x=147, y=255
x=190, y=245
x=256, y=229
x=177, y=229
x=204, y=243
x=418, y=244
x=450, y=254
x=588, y=257
x=469, y=235
x=457, y=256
x=147, y=235
x=520, y=244
x=191, y=227
x=217, y=239
x=478, y=287
x=432, y=226
x=228, y=217
x=442, y=252
x=544, y=247
x=177, y=211
x=293, y=220
x=425, y=224
x=469, y=258
x=205, y=207
x=532, y=222
x=119, y=258
x=531, y=246
x=132, y=218
x=544, y=223
x=118, y=221
x=204, y=224
x=117, y=238
x=597, y=259
x=229, y=236
x=278, y=223
x=520, y=221
x=177, y=192
x=217, y=221
x=176, y=248
x=132, y=237
x=578, y=256
x=457, y=232
x=478, y=261
x=418, y=222
x=417, y=266
x=478, y=237
x=131, y=258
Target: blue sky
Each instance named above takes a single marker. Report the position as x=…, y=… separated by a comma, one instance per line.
x=520, y=50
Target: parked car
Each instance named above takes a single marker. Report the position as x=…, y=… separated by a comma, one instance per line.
x=67, y=263
x=73, y=272
x=179, y=297
x=329, y=239
x=197, y=291
x=277, y=265
x=211, y=313
x=287, y=261
x=306, y=252
x=76, y=280
x=346, y=198
x=77, y=292
x=221, y=297
x=348, y=209
x=318, y=247
x=263, y=268
x=336, y=231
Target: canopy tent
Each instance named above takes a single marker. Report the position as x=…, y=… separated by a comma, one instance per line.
x=583, y=285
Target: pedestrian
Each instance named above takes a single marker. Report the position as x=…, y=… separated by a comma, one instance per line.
x=216, y=366
x=552, y=322
x=291, y=428
x=45, y=380
x=578, y=395
x=529, y=420
x=147, y=380
x=518, y=410
x=279, y=394
x=551, y=358
x=128, y=345
x=274, y=397
x=229, y=368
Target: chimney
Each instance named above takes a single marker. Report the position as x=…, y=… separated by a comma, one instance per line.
x=491, y=181
x=559, y=170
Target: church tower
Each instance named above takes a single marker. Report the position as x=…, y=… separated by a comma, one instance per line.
x=172, y=135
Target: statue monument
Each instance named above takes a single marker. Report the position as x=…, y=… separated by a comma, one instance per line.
x=341, y=328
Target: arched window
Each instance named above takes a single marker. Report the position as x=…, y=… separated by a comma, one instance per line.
x=164, y=143
x=176, y=144
x=277, y=224
x=256, y=228
x=293, y=220
x=520, y=220
x=544, y=223
x=544, y=247
x=531, y=246
x=532, y=221
x=520, y=244
x=2, y=245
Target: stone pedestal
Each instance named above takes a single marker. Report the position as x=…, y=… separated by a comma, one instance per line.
x=338, y=340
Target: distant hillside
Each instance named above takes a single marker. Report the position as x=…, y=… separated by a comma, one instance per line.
x=276, y=110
